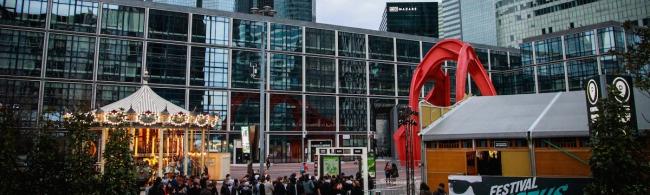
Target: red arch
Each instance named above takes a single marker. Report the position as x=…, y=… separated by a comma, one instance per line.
x=430, y=69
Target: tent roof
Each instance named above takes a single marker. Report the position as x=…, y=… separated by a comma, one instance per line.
x=144, y=99
x=561, y=114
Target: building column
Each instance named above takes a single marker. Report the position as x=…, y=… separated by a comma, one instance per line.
x=185, y=150
x=160, y=152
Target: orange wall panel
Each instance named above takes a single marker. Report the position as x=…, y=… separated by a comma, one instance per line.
x=550, y=162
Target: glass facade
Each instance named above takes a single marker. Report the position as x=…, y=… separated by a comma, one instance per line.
x=74, y=15
x=319, y=41
x=209, y=67
x=21, y=52
x=166, y=63
x=123, y=20
x=336, y=84
x=120, y=60
x=320, y=75
x=210, y=29
x=286, y=72
x=70, y=56
x=29, y=13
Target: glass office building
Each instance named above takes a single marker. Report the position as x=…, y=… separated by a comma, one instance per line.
x=335, y=85
x=304, y=10
x=468, y=20
x=416, y=18
x=562, y=61
x=517, y=20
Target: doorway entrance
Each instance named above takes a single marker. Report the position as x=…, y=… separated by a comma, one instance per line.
x=317, y=143
x=489, y=162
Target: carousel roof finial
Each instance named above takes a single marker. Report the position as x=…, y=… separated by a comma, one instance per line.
x=145, y=77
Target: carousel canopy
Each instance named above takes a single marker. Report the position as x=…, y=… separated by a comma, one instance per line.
x=145, y=107
x=143, y=100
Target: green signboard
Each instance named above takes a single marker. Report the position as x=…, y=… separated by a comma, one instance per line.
x=331, y=165
x=372, y=169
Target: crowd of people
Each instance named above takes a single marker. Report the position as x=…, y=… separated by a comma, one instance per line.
x=258, y=185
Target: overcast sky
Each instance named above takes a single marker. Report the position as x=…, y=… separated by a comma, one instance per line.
x=354, y=13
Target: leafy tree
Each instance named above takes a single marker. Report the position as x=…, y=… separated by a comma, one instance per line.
x=617, y=162
x=44, y=164
x=119, y=171
x=80, y=174
x=637, y=57
x=9, y=132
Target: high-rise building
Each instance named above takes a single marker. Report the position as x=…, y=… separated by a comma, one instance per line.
x=468, y=20
x=517, y=20
x=416, y=18
x=291, y=9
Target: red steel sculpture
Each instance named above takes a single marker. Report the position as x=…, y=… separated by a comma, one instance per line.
x=430, y=69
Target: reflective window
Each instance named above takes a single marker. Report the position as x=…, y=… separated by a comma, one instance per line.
x=526, y=53
x=612, y=65
x=21, y=53
x=579, y=71
x=246, y=33
x=320, y=75
x=74, y=15
x=352, y=77
x=580, y=44
x=482, y=56
x=352, y=114
x=548, y=50
x=175, y=96
x=166, y=63
x=408, y=51
x=167, y=25
x=31, y=13
x=286, y=72
x=212, y=102
x=352, y=45
x=519, y=81
x=244, y=110
x=285, y=112
x=515, y=60
x=610, y=39
x=354, y=141
x=245, y=70
x=59, y=98
x=209, y=67
x=24, y=95
x=119, y=60
x=381, y=48
x=210, y=29
x=380, y=114
x=122, y=20
x=382, y=79
x=426, y=46
x=107, y=94
x=70, y=56
x=319, y=41
x=404, y=76
x=498, y=60
x=286, y=38
x=550, y=78
x=320, y=113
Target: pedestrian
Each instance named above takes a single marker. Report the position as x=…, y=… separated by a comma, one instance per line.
x=157, y=188
x=424, y=189
x=357, y=189
x=308, y=186
x=204, y=188
x=268, y=163
x=394, y=172
x=279, y=188
x=440, y=190
x=387, y=172
x=226, y=188
x=268, y=186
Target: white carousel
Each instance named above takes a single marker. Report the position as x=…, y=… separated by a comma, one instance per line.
x=165, y=136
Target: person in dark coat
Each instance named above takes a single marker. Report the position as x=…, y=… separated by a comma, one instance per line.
x=325, y=187
x=157, y=188
x=278, y=187
x=226, y=188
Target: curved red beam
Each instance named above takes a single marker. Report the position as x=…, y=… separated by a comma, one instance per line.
x=430, y=69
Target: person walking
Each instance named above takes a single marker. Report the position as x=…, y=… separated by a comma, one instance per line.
x=387, y=172
x=268, y=163
x=157, y=188
x=394, y=172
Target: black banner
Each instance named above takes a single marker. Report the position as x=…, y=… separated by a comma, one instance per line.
x=596, y=91
x=496, y=185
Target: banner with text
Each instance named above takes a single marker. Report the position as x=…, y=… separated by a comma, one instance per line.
x=497, y=185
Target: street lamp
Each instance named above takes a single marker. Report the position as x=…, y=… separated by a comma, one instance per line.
x=407, y=120
x=265, y=11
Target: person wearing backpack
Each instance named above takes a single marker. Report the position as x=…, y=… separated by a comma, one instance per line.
x=308, y=185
